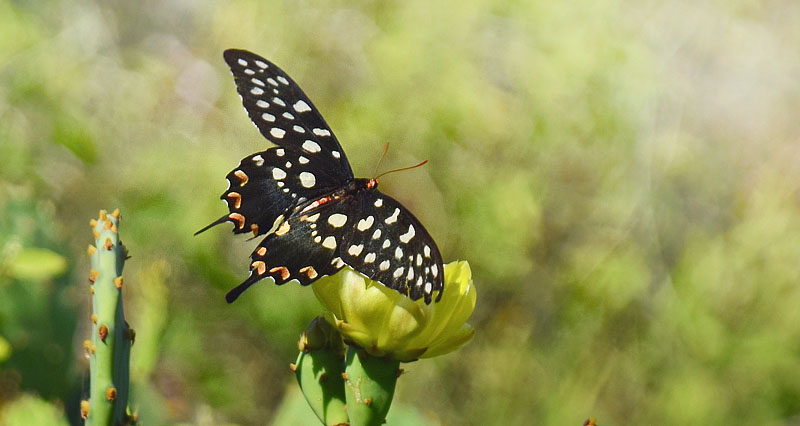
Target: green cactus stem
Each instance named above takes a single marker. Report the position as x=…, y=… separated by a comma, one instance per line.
x=319, y=370
x=369, y=386
x=109, y=347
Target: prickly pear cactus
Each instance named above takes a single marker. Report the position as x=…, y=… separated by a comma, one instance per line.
x=109, y=348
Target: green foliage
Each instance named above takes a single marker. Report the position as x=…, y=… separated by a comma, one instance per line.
x=622, y=177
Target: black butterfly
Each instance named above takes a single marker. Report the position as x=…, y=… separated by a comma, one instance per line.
x=317, y=217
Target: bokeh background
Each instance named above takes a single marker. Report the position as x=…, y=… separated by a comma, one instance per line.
x=623, y=177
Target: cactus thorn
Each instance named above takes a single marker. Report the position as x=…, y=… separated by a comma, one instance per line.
x=107, y=224
x=368, y=401
x=91, y=250
x=108, y=245
x=118, y=282
x=103, y=332
x=93, y=223
x=91, y=289
x=94, y=349
x=115, y=214
x=94, y=318
x=114, y=228
x=130, y=334
x=301, y=344
x=84, y=409
x=400, y=372
x=344, y=376
x=102, y=215
x=293, y=367
x=96, y=234
x=93, y=274
x=111, y=393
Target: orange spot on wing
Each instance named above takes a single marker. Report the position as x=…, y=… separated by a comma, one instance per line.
x=283, y=271
x=243, y=178
x=239, y=219
x=259, y=266
x=237, y=199
x=261, y=251
x=310, y=271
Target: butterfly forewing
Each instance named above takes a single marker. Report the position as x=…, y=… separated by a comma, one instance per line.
x=284, y=114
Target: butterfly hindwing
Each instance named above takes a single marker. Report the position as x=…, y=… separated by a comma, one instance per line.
x=388, y=244
x=299, y=249
x=284, y=114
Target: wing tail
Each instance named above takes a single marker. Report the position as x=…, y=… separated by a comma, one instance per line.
x=223, y=219
x=237, y=291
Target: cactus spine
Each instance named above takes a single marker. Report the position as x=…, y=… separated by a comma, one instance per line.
x=109, y=348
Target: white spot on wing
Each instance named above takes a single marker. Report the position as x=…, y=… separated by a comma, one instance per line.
x=428, y=287
x=283, y=80
x=248, y=71
x=386, y=243
x=384, y=265
x=262, y=104
x=369, y=258
x=288, y=115
x=307, y=179
x=257, y=82
x=288, y=164
x=311, y=146
x=355, y=250
x=279, y=101
x=378, y=202
x=322, y=132
x=419, y=260
x=435, y=270
x=257, y=91
x=410, y=275
x=337, y=262
x=278, y=174
x=272, y=81
x=302, y=160
x=337, y=220
x=398, y=253
x=393, y=218
x=279, y=152
x=301, y=106
x=242, y=62
x=268, y=117
x=329, y=242
x=365, y=224
x=261, y=64
x=336, y=154
x=258, y=160
x=298, y=129
x=405, y=238
x=398, y=272
x=427, y=251
x=376, y=234
x=313, y=217
x=277, y=132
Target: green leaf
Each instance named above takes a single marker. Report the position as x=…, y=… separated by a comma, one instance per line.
x=37, y=264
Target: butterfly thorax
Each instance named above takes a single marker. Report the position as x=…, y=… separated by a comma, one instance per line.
x=348, y=191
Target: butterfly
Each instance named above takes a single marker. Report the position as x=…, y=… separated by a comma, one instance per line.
x=302, y=196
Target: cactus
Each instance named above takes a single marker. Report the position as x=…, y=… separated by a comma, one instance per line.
x=109, y=348
x=369, y=386
x=319, y=370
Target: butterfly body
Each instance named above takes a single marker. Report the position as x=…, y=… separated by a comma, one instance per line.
x=301, y=195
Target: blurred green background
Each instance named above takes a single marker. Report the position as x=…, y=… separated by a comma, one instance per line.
x=623, y=177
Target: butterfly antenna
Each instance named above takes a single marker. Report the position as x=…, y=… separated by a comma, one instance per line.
x=385, y=150
x=404, y=168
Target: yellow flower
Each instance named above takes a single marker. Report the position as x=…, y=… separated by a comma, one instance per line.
x=386, y=323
